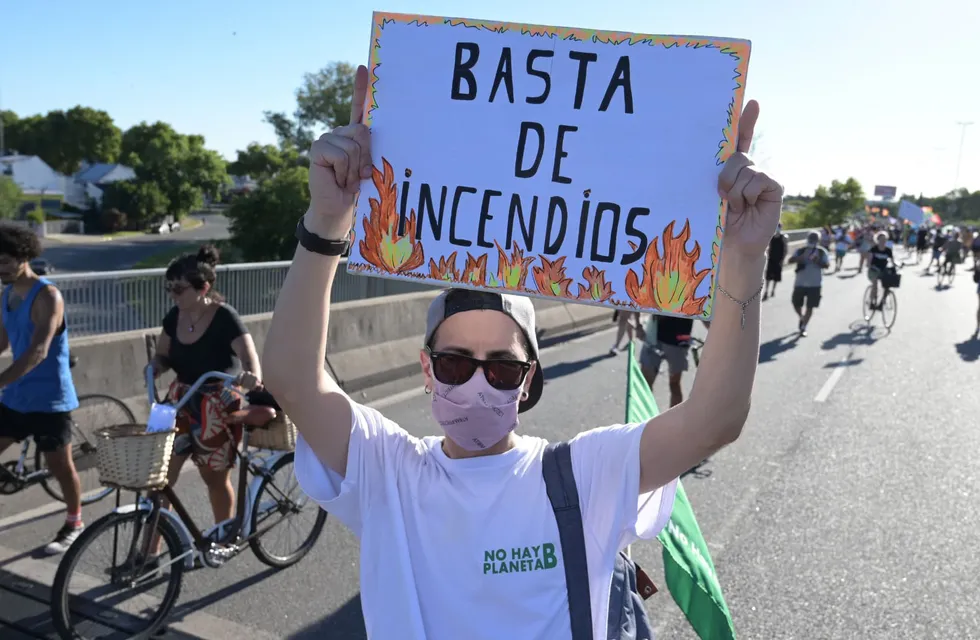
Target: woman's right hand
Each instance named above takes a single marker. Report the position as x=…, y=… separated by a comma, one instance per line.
x=339, y=160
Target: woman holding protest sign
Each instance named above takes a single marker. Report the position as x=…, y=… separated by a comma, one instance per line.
x=475, y=499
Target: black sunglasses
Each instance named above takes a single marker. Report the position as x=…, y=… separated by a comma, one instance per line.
x=175, y=288
x=456, y=369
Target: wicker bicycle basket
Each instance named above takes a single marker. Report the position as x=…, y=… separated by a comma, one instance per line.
x=279, y=435
x=129, y=457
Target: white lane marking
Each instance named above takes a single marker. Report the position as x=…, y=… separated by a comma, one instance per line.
x=408, y=394
x=832, y=381
x=196, y=624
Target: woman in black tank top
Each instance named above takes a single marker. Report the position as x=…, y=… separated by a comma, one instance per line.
x=201, y=333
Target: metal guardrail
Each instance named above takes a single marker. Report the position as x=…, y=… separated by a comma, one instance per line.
x=115, y=301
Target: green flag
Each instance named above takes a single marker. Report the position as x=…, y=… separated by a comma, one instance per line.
x=688, y=569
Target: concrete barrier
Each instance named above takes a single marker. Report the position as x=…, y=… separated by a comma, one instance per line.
x=371, y=342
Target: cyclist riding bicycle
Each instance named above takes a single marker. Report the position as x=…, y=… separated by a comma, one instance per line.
x=954, y=253
x=880, y=256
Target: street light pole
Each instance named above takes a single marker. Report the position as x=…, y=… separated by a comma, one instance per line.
x=959, y=157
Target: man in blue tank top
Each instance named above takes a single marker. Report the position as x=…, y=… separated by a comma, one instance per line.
x=38, y=392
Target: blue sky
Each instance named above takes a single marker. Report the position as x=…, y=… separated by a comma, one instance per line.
x=817, y=69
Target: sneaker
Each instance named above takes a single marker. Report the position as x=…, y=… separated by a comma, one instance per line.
x=613, y=351
x=64, y=539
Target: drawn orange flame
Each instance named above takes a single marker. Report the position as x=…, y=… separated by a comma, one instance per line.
x=445, y=270
x=596, y=287
x=550, y=278
x=475, y=270
x=382, y=245
x=669, y=283
x=512, y=271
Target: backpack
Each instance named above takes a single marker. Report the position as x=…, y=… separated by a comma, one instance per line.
x=628, y=618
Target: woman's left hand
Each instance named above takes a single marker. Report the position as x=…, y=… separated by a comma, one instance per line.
x=247, y=380
x=754, y=199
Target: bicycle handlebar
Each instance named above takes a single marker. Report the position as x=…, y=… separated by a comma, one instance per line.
x=227, y=378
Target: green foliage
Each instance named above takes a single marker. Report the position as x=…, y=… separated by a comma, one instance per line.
x=10, y=197
x=140, y=201
x=323, y=100
x=64, y=139
x=263, y=161
x=113, y=220
x=182, y=169
x=36, y=215
x=263, y=223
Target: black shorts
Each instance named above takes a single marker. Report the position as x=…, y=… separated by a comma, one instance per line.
x=51, y=431
x=808, y=297
x=774, y=270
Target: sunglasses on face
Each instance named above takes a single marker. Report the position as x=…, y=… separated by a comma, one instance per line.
x=175, y=288
x=456, y=369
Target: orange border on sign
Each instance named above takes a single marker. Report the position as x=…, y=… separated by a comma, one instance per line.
x=644, y=290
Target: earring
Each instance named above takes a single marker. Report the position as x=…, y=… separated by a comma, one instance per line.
x=524, y=395
x=427, y=390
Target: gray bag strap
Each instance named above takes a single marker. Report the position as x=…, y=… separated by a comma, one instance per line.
x=559, y=480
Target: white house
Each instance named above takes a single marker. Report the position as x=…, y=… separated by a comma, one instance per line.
x=33, y=175
x=92, y=178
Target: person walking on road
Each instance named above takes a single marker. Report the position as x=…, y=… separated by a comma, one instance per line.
x=667, y=338
x=810, y=262
x=778, y=246
x=462, y=522
x=627, y=323
x=38, y=391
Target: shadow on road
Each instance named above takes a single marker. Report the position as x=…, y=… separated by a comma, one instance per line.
x=969, y=350
x=769, y=350
x=346, y=622
x=567, y=368
x=847, y=363
x=187, y=608
x=859, y=334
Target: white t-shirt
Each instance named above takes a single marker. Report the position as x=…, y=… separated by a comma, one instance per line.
x=469, y=548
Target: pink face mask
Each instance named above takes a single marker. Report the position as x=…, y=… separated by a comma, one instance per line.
x=474, y=415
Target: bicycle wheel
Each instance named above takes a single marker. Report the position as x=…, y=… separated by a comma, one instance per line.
x=94, y=411
x=74, y=614
x=889, y=309
x=291, y=504
x=868, y=304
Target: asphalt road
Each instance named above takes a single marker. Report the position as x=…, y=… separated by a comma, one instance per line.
x=847, y=509
x=123, y=253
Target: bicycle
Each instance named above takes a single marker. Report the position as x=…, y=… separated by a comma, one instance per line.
x=890, y=279
x=185, y=544
x=27, y=470
x=947, y=269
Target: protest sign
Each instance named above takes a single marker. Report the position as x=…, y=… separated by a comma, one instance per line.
x=549, y=161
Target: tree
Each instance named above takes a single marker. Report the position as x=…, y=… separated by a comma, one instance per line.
x=10, y=198
x=834, y=205
x=325, y=97
x=140, y=202
x=65, y=139
x=180, y=166
x=323, y=100
x=262, y=161
x=289, y=133
x=263, y=222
